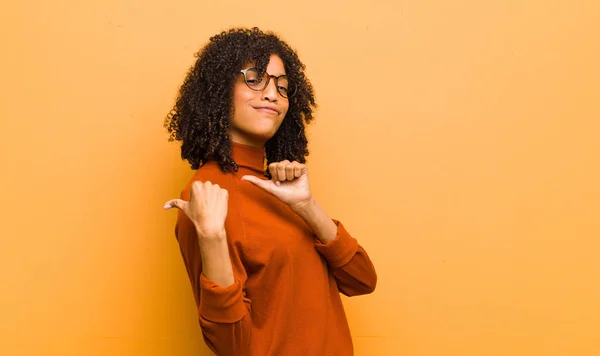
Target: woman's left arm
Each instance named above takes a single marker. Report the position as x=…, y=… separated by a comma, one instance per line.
x=349, y=262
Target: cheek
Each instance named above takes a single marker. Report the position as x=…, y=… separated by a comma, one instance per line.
x=284, y=109
x=239, y=104
x=240, y=96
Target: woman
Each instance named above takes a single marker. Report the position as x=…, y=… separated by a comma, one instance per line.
x=265, y=261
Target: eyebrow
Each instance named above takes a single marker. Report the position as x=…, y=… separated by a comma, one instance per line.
x=252, y=66
x=280, y=75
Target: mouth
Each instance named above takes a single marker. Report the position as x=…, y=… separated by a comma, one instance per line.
x=267, y=109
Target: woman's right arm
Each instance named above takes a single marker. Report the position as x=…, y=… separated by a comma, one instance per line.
x=214, y=268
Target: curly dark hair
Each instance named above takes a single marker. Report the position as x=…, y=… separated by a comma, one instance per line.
x=202, y=112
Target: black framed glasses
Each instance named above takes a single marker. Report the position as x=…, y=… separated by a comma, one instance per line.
x=255, y=81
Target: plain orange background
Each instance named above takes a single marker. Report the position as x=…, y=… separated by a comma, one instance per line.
x=457, y=140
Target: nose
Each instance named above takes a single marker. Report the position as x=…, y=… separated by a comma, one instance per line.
x=270, y=92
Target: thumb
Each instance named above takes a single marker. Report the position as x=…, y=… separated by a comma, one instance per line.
x=261, y=183
x=175, y=203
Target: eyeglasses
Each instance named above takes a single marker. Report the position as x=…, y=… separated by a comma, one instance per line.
x=255, y=81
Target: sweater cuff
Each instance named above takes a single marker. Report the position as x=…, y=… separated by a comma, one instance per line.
x=339, y=251
x=221, y=304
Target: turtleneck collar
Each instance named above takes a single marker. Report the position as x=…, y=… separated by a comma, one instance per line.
x=248, y=156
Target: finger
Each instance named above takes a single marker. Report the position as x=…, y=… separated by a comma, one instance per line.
x=261, y=183
x=273, y=171
x=197, y=185
x=197, y=189
x=175, y=203
x=289, y=171
x=221, y=193
x=299, y=170
x=215, y=189
x=281, y=170
x=224, y=194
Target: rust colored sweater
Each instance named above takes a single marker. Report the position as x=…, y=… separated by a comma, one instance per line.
x=285, y=299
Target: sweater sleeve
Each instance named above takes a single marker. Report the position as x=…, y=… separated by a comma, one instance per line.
x=223, y=312
x=351, y=267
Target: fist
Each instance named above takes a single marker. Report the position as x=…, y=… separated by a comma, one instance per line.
x=288, y=183
x=207, y=208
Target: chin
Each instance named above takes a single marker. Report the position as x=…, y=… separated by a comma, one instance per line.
x=259, y=135
x=260, y=130
x=264, y=131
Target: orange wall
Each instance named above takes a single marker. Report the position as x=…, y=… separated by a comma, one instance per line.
x=458, y=140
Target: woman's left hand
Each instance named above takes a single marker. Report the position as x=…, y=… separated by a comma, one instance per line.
x=288, y=183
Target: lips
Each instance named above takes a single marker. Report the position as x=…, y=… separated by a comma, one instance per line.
x=267, y=109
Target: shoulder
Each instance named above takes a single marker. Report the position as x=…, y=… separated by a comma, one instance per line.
x=210, y=172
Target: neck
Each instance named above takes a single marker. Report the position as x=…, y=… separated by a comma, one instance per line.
x=257, y=143
x=248, y=156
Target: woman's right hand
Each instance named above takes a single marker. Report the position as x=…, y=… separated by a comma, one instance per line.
x=207, y=209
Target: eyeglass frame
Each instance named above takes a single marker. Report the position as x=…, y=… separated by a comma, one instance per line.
x=269, y=76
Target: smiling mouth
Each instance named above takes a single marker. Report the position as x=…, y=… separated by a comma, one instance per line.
x=268, y=110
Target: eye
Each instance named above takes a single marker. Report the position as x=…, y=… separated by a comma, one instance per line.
x=252, y=77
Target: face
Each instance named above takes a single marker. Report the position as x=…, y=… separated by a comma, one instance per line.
x=258, y=114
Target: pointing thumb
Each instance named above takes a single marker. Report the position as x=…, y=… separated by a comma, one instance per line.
x=261, y=183
x=174, y=203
